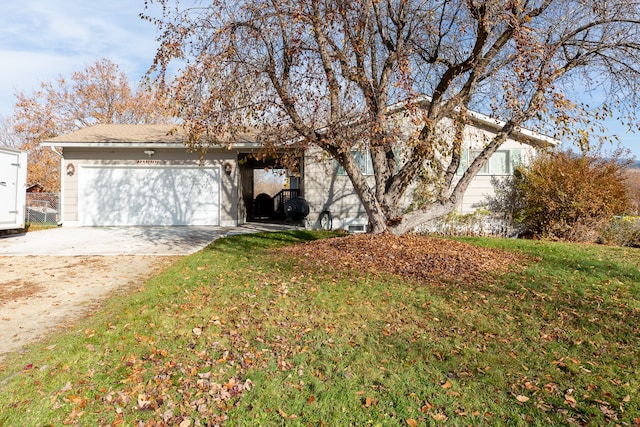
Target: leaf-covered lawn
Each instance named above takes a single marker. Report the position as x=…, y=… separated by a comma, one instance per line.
x=356, y=330
x=410, y=256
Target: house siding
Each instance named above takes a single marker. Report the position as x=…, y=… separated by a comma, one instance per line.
x=229, y=192
x=325, y=190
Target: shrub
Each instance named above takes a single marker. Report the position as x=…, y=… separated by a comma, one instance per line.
x=622, y=231
x=566, y=196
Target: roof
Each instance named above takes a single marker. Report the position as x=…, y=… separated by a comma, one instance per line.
x=173, y=136
x=116, y=134
x=521, y=134
x=11, y=150
x=33, y=187
x=129, y=135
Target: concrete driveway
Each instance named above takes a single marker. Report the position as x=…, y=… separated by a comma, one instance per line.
x=158, y=241
x=74, y=241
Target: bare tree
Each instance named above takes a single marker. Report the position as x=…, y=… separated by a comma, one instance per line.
x=101, y=93
x=8, y=137
x=326, y=73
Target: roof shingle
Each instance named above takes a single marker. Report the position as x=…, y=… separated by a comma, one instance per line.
x=117, y=133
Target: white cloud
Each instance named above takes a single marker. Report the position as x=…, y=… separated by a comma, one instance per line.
x=43, y=39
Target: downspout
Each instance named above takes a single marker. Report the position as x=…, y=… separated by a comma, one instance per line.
x=55, y=151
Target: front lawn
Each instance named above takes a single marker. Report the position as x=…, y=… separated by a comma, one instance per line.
x=357, y=331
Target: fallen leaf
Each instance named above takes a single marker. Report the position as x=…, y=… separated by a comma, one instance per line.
x=608, y=412
x=411, y=422
x=521, y=398
x=74, y=399
x=143, y=403
x=440, y=417
x=427, y=406
x=447, y=385
x=570, y=400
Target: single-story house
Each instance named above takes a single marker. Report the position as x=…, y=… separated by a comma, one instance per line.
x=121, y=175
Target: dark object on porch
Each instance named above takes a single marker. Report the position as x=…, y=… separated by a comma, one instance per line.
x=296, y=210
x=281, y=199
x=263, y=208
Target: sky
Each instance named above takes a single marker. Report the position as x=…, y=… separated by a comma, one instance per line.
x=41, y=40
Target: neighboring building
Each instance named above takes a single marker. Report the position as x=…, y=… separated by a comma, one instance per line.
x=13, y=176
x=35, y=188
x=144, y=175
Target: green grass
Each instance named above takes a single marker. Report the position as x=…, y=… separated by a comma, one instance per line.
x=30, y=227
x=243, y=335
x=35, y=226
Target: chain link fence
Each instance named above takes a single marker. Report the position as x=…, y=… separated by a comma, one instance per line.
x=42, y=208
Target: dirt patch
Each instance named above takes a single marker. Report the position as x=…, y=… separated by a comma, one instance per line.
x=40, y=294
x=15, y=289
x=419, y=257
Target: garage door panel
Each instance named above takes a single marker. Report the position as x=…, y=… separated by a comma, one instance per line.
x=149, y=195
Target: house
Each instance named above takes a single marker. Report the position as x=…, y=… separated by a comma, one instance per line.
x=327, y=188
x=144, y=175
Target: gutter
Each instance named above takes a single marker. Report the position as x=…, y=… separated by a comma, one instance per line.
x=139, y=145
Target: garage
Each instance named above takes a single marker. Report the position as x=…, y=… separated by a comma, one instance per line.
x=117, y=195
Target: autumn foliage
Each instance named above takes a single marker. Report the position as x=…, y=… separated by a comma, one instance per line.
x=570, y=197
x=99, y=94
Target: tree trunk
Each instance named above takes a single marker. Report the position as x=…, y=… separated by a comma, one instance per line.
x=415, y=218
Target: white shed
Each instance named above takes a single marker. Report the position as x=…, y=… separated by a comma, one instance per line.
x=13, y=178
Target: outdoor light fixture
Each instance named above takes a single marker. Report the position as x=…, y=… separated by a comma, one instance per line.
x=71, y=169
x=149, y=152
x=227, y=168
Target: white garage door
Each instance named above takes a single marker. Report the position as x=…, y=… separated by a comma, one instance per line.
x=144, y=195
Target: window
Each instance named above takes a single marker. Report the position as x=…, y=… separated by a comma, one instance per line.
x=472, y=156
x=363, y=160
x=503, y=162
